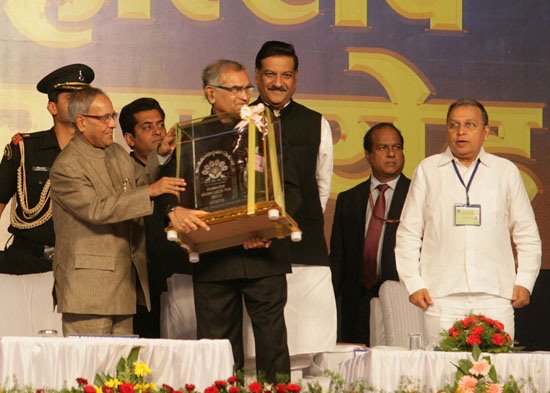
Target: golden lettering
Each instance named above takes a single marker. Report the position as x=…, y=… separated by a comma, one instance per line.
x=350, y=13
x=78, y=10
x=279, y=12
x=407, y=90
x=443, y=14
x=201, y=10
x=28, y=17
x=134, y=9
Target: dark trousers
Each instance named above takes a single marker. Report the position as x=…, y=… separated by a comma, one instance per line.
x=24, y=258
x=219, y=311
x=356, y=316
x=147, y=323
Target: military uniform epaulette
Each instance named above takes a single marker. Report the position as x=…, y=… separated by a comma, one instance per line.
x=8, y=152
x=20, y=136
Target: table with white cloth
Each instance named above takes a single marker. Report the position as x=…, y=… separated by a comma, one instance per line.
x=389, y=369
x=55, y=362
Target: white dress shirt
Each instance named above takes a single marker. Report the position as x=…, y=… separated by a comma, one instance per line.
x=323, y=173
x=374, y=182
x=432, y=252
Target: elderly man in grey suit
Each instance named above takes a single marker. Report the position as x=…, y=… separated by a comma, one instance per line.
x=99, y=196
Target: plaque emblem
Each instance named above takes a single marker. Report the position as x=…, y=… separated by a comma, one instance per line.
x=216, y=180
x=215, y=169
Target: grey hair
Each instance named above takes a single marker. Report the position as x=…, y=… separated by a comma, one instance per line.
x=81, y=100
x=211, y=74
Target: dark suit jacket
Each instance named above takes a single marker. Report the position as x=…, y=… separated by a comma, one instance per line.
x=348, y=239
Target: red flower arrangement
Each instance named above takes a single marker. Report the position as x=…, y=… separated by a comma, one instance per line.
x=487, y=333
x=255, y=387
x=232, y=385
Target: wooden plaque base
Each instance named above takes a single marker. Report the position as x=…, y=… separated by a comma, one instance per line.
x=231, y=227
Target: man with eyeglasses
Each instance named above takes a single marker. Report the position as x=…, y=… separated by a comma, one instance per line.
x=453, y=247
x=254, y=273
x=99, y=195
x=363, y=232
x=24, y=174
x=226, y=86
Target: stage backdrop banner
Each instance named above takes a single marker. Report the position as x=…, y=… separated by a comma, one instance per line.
x=361, y=62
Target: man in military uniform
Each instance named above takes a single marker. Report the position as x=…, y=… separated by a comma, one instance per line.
x=24, y=175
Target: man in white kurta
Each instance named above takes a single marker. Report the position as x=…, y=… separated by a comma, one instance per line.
x=453, y=248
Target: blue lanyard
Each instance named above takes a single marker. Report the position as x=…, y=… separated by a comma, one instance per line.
x=467, y=187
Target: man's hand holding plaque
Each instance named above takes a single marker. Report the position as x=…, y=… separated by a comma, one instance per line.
x=256, y=241
x=187, y=220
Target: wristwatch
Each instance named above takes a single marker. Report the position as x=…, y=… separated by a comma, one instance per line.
x=170, y=208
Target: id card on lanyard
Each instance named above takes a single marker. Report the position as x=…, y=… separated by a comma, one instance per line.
x=467, y=214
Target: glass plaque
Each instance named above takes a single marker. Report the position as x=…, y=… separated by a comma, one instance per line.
x=233, y=168
x=218, y=160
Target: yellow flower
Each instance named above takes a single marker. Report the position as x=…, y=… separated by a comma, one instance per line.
x=98, y=389
x=113, y=383
x=143, y=387
x=141, y=369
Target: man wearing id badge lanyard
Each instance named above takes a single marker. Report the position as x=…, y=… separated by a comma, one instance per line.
x=453, y=248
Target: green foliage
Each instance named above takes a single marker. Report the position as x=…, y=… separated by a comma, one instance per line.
x=282, y=378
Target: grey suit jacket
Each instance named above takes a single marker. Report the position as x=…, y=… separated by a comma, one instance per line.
x=99, y=198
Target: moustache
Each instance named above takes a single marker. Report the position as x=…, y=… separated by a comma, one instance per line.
x=273, y=88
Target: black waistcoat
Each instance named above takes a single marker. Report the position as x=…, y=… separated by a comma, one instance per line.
x=301, y=128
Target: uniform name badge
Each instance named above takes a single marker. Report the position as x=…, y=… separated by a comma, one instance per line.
x=467, y=214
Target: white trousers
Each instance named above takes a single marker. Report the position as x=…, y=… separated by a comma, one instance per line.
x=448, y=309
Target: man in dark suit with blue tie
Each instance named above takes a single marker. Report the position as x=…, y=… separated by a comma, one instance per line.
x=363, y=232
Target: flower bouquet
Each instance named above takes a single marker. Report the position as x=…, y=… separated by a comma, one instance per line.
x=479, y=377
x=479, y=330
x=130, y=378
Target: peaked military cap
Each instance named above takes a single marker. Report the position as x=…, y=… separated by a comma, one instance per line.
x=69, y=77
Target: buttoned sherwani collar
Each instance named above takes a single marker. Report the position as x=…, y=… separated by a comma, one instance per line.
x=278, y=112
x=447, y=157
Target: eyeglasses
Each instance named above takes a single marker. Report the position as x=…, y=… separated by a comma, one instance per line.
x=104, y=118
x=236, y=89
x=468, y=125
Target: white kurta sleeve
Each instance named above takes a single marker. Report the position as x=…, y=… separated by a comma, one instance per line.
x=409, y=234
x=325, y=163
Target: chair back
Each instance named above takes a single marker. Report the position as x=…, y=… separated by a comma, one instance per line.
x=400, y=316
